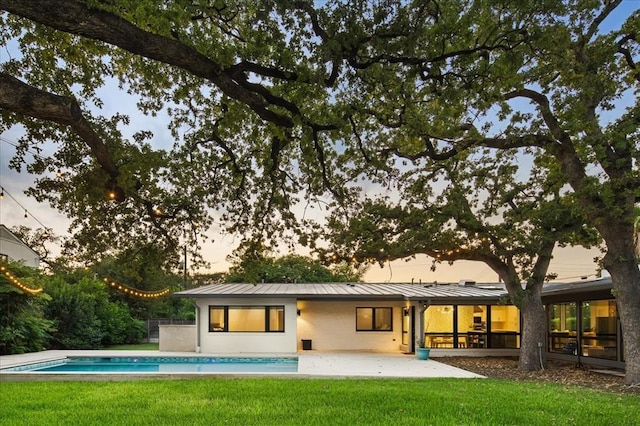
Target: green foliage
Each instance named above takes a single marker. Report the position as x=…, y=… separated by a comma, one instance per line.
x=145, y=268
x=23, y=324
x=291, y=269
x=119, y=326
x=73, y=308
x=84, y=317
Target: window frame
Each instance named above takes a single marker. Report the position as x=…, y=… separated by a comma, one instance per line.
x=267, y=317
x=373, y=318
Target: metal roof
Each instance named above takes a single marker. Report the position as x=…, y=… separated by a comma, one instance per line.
x=581, y=286
x=345, y=291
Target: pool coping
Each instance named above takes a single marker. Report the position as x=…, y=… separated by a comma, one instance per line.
x=311, y=364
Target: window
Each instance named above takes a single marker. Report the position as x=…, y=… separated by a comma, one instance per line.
x=562, y=328
x=374, y=319
x=599, y=329
x=258, y=319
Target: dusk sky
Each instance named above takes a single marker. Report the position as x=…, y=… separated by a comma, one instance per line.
x=569, y=264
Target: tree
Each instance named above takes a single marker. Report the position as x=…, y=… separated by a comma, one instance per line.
x=471, y=211
x=636, y=227
x=275, y=106
x=291, y=268
x=23, y=325
x=556, y=93
x=83, y=315
x=206, y=64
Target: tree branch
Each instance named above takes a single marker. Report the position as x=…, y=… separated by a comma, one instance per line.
x=76, y=17
x=20, y=98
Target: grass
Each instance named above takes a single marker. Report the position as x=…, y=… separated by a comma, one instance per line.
x=274, y=401
x=136, y=347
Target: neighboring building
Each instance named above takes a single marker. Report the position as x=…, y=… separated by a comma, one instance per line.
x=13, y=248
x=453, y=319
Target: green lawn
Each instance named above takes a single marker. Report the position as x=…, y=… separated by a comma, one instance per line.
x=267, y=401
x=136, y=347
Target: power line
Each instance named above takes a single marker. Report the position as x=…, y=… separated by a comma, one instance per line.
x=15, y=145
x=26, y=212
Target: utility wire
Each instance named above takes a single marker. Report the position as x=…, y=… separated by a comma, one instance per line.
x=26, y=212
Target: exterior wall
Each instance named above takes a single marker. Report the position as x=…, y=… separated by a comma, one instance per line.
x=247, y=342
x=16, y=250
x=177, y=338
x=331, y=326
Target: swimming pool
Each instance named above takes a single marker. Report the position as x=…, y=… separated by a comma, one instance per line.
x=148, y=364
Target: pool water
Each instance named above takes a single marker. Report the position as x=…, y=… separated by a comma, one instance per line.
x=163, y=365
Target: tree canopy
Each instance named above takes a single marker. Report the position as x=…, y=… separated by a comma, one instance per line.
x=290, y=269
x=275, y=107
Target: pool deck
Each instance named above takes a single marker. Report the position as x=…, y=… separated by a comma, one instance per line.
x=310, y=364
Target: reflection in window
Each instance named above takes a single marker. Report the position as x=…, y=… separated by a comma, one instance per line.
x=374, y=319
x=562, y=328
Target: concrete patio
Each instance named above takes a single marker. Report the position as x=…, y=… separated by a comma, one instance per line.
x=310, y=364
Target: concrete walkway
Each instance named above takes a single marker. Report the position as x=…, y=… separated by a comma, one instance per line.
x=310, y=364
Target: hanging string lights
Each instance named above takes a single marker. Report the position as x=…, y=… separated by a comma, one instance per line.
x=27, y=213
x=130, y=291
x=17, y=283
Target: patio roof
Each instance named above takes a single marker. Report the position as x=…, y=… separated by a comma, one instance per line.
x=432, y=293
x=599, y=284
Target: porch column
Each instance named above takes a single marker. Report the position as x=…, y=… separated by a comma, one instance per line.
x=422, y=307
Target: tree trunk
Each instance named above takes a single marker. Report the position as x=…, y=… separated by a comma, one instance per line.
x=622, y=264
x=534, y=327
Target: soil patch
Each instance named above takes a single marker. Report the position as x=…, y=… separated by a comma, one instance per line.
x=556, y=372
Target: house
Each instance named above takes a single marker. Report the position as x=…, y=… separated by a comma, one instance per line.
x=245, y=318
x=583, y=323
x=454, y=319
x=13, y=248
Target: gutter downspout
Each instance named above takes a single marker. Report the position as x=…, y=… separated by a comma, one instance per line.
x=195, y=305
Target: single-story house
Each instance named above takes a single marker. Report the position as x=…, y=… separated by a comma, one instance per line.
x=389, y=317
x=13, y=248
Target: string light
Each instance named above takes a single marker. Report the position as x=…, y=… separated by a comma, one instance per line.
x=130, y=291
x=17, y=283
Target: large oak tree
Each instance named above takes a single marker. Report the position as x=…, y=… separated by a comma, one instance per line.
x=274, y=105
x=554, y=94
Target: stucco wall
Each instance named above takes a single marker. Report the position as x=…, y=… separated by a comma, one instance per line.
x=177, y=338
x=331, y=325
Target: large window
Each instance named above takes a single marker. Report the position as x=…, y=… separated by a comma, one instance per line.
x=374, y=319
x=599, y=329
x=472, y=326
x=562, y=328
x=505, y=327
x=438, y=326
x=246, y=319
